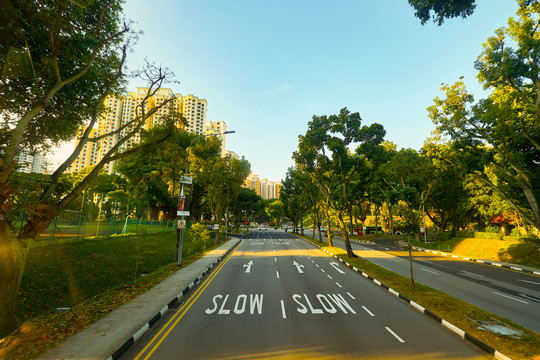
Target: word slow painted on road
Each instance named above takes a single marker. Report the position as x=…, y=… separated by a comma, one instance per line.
x=305, y=304
x=322, y=303
x=240, y=306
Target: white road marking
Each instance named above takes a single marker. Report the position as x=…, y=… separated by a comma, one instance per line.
x=298, y=267
x=506, y=296
x=367, y=310
x=283, y=313
x=395, y=335
x=329, y=277
x=352, y=297
x=335, y=265
x=323, y=270
x=433, y=272
x=277, y=273
x=470, y=273
x=338, y=284
x=248, y=266
x=530, y=282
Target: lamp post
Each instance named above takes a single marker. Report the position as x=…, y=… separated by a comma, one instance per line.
x=181, y=197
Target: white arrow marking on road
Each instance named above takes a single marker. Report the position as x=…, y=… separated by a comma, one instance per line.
x=336, y=266
x=248, y=266
x=298, y=267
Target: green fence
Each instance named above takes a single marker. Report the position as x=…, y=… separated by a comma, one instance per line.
x=78, y=226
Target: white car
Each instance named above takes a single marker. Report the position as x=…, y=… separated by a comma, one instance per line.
x=262, y=228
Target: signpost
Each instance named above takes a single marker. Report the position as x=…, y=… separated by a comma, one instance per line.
x=184, y=203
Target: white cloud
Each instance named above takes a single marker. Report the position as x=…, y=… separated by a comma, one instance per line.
x=276, y=91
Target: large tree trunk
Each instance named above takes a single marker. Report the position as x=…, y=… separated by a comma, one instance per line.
x=345, y=234
x=13, y=254
x=328, y=225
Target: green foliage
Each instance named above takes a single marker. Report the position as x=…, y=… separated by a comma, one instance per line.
x=65, y=274
x=443, y=236
x=44, y=46
x=500, y=133
x=440, y=10
x=275, y=210
x=199, y=235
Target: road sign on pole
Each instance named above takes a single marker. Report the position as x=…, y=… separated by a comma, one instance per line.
x=181, y=224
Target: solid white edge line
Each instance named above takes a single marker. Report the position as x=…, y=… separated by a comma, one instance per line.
x=394, y=334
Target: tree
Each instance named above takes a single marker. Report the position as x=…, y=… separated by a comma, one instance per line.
x=504, y=128
x=332, y=173
x=442, y=9
x=59, y=60
x=274, y=209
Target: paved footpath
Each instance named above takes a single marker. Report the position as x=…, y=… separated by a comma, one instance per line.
x=107, y=335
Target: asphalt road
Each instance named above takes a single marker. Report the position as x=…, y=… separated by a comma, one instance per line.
x=277, y=296
x=511, y=294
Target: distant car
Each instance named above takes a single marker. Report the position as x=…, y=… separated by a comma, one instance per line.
x=262, y=228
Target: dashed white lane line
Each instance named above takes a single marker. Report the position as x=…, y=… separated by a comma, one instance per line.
x=277, y=273
x=510, y=297
x=470, y=273
x=338, y=284
x=352, y=297
x=323, y=270
x=283, y=313
x=395, y=335
x=530, y=282
x=433, y=272
x=367, y=310
x=329, y=277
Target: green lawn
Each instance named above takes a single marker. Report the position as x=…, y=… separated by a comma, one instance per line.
x=64, y=274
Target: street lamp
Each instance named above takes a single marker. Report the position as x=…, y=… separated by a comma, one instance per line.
x=180, y=231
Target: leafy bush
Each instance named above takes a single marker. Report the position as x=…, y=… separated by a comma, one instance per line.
x=487, y=235
x=492, y=229
x=465, y=234
x=199, y=233
x=443, y=236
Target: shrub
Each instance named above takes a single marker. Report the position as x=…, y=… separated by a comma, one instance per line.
x=487, y=235
x=443, y=236
x=199, y=233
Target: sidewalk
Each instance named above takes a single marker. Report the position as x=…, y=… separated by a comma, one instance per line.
x=126, y=324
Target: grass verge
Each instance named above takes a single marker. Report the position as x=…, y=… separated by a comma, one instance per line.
x=94, y=278
x=444, y=305
x=511, y=251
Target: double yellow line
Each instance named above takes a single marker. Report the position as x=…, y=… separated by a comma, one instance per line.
x=181, y=312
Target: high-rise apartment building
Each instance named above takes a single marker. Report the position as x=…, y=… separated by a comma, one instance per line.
x=32, y=163
x=218, y=127
x=263, y=187
x=121, y=110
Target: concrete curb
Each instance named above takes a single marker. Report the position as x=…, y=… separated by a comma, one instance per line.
x=126, y=345
x=448, y=325
x=511, y=267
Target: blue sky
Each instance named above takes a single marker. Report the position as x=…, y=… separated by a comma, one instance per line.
x=266, y=67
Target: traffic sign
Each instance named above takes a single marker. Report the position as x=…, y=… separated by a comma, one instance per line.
x=181, y=224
